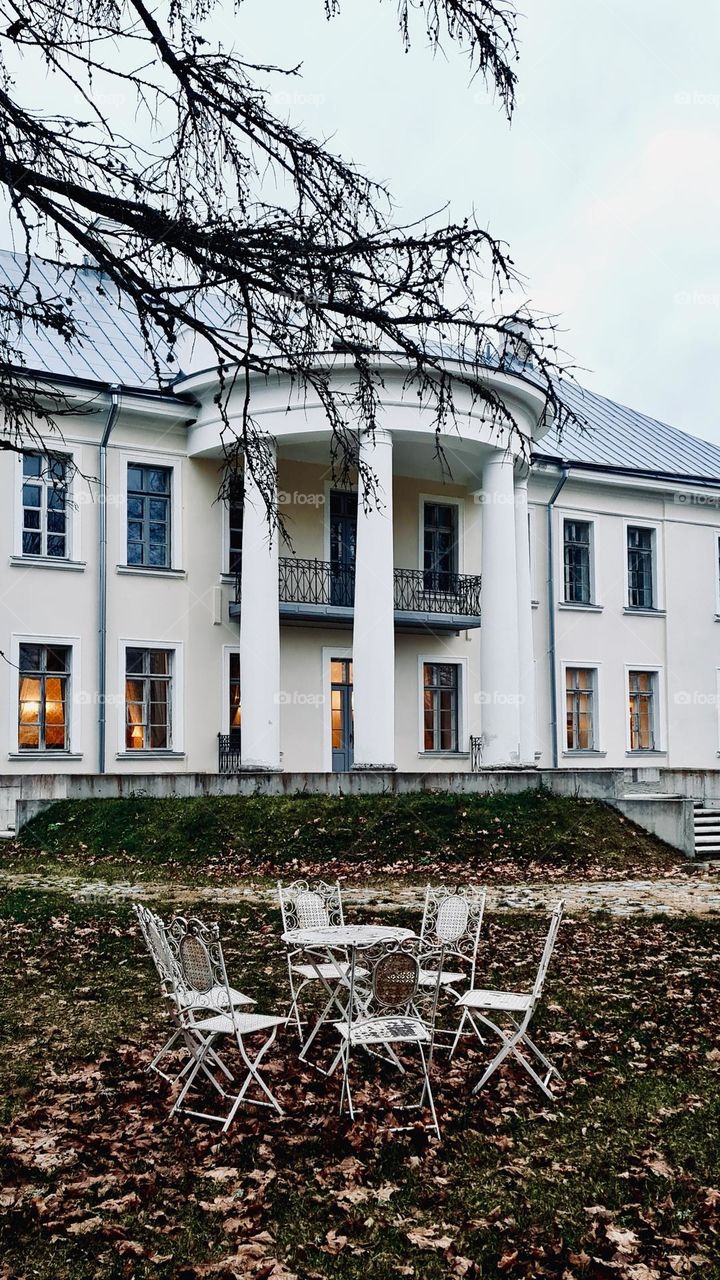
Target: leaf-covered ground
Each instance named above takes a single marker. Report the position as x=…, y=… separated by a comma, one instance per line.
x=619, y=1178
x=493, y=839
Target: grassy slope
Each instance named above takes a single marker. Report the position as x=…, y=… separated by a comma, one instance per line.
x=497, y=837
x=616, y=1180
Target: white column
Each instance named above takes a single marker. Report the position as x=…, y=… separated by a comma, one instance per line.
x=526, y=654
x=499, y=630
x=259, y=633
x=374, y=617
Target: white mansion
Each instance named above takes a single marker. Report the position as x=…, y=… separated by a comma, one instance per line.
x=565, y=618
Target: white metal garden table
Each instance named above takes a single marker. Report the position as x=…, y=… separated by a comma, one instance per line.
x=322, y=945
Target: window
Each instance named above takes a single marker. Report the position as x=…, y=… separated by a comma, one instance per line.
x=44, y=501
x=148, y=699
x=641, y=687
x=235, y=713
x=440, y=545
x=576, y=554
x=148, y=516
x=440, y=706
x=640, y=568
x=43, y=697
x=580, y=708
x=235, y=504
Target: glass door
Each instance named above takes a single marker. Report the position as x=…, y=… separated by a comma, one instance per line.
x=343, y=524
x=341, y=714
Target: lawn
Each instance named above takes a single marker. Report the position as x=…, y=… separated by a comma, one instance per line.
x=619, y=1178
x=217, y=839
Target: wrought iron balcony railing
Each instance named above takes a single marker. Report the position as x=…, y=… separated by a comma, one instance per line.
x=424, y=591
x=318, y=586
x=229, y=752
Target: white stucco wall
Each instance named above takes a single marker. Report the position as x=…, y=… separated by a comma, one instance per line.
x=187, y=609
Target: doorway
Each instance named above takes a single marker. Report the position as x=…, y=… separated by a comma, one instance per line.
x=343, y=526
x=341, y=714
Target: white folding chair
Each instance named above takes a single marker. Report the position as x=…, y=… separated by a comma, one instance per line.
x=452, y=920
x=158, y=939
x=518, y=1008
x=319, y=907
x=388, y=1006
x=202, y=964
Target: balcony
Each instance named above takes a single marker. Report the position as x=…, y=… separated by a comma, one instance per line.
x=318, y=593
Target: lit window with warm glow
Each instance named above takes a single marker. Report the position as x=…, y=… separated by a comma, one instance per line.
x=148, y=697
x=43, y=697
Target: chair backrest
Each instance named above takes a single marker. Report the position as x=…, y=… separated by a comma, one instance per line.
x=385, y=979
x=310, y=907
x=200, y=960
x=452, y=919
x=155, y=933
x=395, y=978
x=548, y=949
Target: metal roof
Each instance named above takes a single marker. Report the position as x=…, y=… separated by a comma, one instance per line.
x=626, y=440
x=111, y=349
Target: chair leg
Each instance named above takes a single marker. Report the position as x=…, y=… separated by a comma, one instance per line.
x=510, y=1045
x=427, y=1089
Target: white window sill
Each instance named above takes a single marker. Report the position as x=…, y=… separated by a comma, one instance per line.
x=641, y=753
x=573, y=755
x=579, y=606
x=44, y=755
x=150, y=755
x=644, y=613
x=47, y=562
x=444, y=755
x=147, y=571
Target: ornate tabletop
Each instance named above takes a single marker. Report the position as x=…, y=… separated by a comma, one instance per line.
x=346, y=935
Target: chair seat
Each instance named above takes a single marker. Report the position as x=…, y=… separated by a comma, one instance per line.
x=384, y=1030
x=508, y=1001
x=246, y=1023
x=329, y=970
x=447, y=977
x=215, y=998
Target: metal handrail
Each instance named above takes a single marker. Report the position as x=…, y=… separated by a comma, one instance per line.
x=321, y=582
x=229, y=756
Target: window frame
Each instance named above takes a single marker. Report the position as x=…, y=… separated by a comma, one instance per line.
x=658, y=725
x=228, y=651
x=461, y=664
x=68, y=454
x=177, y=689
x=442, y=500
x=145, y=497
x=170, y=462
x=225, y=571
x=327, y=654
x=572, y=518
x=653, y=528
x=594, y=668
x=74, y=698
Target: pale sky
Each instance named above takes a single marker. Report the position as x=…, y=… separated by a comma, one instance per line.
x=607, y=184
